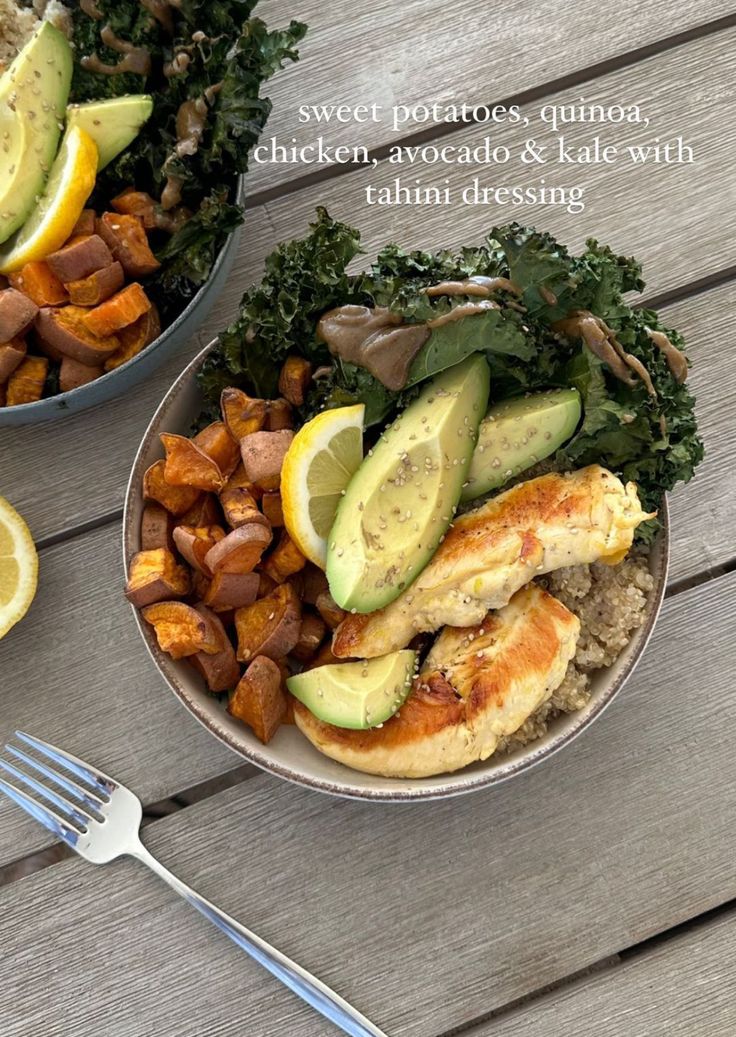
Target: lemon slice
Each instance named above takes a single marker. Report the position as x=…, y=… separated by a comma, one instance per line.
x=69, y=185
x=18, y=567
x=322, y=459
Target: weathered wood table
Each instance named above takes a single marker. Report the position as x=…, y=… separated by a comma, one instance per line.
x=593, y=895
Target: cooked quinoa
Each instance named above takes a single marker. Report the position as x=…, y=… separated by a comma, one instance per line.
x=18, y=23
x=610, y=602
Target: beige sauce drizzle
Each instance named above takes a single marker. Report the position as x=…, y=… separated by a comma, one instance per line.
x=466, y=309
x=375, y=339
x=476, y=285
x=549, y=296
x=676, y=360
x=136, y=59
x=191, y=120
x=90, y=8
x=161, y=11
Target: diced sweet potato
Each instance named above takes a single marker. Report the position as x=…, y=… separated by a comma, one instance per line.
x=220, y=670
x=85, y=225
x=98, y=286
x=126, y=239
x=259, y=699
x=26, y=383
x=72, y=374
x=38, y=281
x=136, y=203
x=11, y=354
x=3, y=394
x=294, y=379
x=231, y=590
x=324, y=657
x=17, y=313
x=266, y=585
x=272, y=509
x=240, y=551
x=217, y=443
x=80, y=257
x=284, y=560
x=135, y=338
x=329, y=610
x=64, y=331
x=270, y=626
x=313, y=584
x=242, y=413
x=157, y=528
x=204, y=512
x=311, y=635
x=120, y=310
x=155, y=575
x=263, y=455
x=193, y=543
x=181, y=630
x=238, y=500
x=187, y=465
x=176, y=499
x=279, y=415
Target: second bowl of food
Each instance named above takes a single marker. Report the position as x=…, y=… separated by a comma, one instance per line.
x=403, y=534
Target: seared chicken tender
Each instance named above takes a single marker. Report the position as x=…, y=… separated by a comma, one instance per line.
x=536, y=526
x=477, y=685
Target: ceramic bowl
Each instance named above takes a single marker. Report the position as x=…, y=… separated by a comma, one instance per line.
x=119, y=381
x=289, y=755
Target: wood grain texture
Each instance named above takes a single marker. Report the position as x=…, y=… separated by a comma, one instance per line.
x=682, y=987
x=423, y=51
x=75, y=671
x=426, y=916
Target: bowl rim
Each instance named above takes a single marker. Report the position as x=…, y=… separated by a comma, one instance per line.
x=50, y=407
x=455, y=784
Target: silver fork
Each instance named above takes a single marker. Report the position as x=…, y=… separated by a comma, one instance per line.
x=100, y=819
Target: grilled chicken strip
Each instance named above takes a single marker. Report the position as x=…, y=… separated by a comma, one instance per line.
x=489, y=553
x=477, y=684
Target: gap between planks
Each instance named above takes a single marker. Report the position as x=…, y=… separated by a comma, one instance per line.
x=436, y=131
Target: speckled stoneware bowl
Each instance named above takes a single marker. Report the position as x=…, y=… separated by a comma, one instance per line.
x=289, y=755
x=119, y=381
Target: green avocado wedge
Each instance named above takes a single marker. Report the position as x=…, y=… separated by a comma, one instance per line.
x=357, y=695
x=517, y=433
x=33, y=94
x=399, y=503
x=112, y=124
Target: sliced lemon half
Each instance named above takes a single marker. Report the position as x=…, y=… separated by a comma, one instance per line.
x=18, y=567
x=322, y=459
x=69, y=185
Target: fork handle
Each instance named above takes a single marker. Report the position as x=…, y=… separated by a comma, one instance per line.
x=308, y=987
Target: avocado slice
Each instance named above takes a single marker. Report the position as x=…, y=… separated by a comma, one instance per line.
x=517, y=433
x=112, y=124
x=357, y=695
x=401, y=500
x=33, y=93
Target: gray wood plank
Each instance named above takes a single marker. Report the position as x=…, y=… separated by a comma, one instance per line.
x=76, y=670
x=682, y=987
x=421, y=51
x=426, y=917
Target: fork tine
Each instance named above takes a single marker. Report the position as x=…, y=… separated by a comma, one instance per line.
x=48, y=818
x=79, y=817
x=102, y=782
x=89, y=799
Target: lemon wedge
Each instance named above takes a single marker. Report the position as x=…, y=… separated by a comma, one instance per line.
x=18, y=567
x=322, y=459
x=69, y=185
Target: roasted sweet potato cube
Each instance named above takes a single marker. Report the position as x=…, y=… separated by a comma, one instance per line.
x=126, y=239
x=329, y=610
x=26, y=383
x=285, y=559
x=17, y=313
x=136, y=203
x=176, y=499
x=11, y=355
x=85, y=225
x=155, y=575
x=314, y=582
x=279, y=415
x=239, y=502
x=72, y=374
x=263, y=455
x=204, y=512
x=135, y=338
x=80, y=257
x=187, y=465
x=324, y=657
x=157, y=528
x=240, y=551
x=62, y=331
x=193, y=543
x=259, y=699
x=231, y=590
x=181, y=630
x=266, y=585
x=272, y=509
x=120, y=310
x=242, y=413
x=220, y=669
x=217, y=443
x=294, y=379
x=38, y=281
x=311, y=636
x=97, y=286
x=270, y=626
